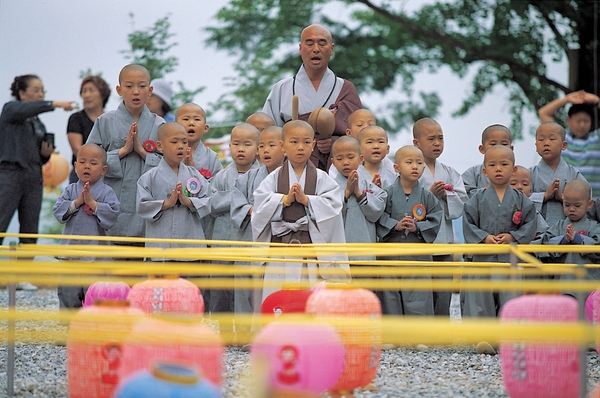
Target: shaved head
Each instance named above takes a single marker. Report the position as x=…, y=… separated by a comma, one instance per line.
x=492, y=128
x=97, y=149
x=345, y=140
x=506, y=151
x=362, y=132
x=296, y=124
x=406, y=151
x=133, y=68
x=190, y=106
x=273, y=131
x=247, y=128
x=579, y=187
x=316, y=28
x=260, y=120
x=422, y=124
x=166, y=129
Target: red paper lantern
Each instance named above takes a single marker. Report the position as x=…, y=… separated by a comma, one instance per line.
x=169, y=294
x=94, y=348
x=534, y=369
x=362, y=342
x=174, y=338
x=55, y=171
x=286, y=301
x=301, y=358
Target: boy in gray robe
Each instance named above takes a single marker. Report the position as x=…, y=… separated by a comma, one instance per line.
x=364, y=202
x=473, y=177
x=173, y=198
x=497, y=214
x=244, y=147
x=549, y=177
x=374, y=148
x=128, y=135
x=575, y=229
x=87, y=207
x=412, y=215
x=242, y=202
x=193, y=118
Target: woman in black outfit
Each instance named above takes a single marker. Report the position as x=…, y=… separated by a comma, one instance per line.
x=23, y=151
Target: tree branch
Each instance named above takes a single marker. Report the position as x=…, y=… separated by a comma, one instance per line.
x=477, y=53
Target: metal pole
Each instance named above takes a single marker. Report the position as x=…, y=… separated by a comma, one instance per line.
x=583, y=347
x=10, y=370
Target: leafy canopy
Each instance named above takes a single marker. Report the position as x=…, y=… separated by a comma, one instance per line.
x=381, y=48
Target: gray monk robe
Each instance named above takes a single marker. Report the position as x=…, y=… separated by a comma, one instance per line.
x=319, y=222
x=541, y=178
x=178, y=222
x=205, y=159
x=587, y=233
x=110, y=132
x=221, y=187
x=242, y=200
x=398, y=205
x=474, y=179
x=337, y=94
x=361, y=215
x=484, y=215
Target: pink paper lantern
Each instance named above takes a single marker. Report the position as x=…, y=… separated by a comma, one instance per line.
x=169, y=294
x=362, y=342
x=534, y=369
x=106, y=291
x=591, y=307
x=301, y=358
x=94, y=348
x=175, y=338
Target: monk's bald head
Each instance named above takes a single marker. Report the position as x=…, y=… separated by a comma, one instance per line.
x=316, y=29
x=260, y=120
x=133, y=68
x=297, y=125
x=165, y=130
x=578, y=189
x=422, y=125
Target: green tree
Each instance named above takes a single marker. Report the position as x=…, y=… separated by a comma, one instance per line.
x=379, y=47
x=150, y=48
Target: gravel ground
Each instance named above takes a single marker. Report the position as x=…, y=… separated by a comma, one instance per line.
x=40, y=369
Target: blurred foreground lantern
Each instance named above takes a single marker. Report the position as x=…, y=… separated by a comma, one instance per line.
x=361, y=337
x=94, y=347
x=167, y=380
x=591, y=307
x=301, y=358
x=536, y=369
x=286, y=301
x=55, y=171
x=177, y=338
x=106, y=291
x=168, y=294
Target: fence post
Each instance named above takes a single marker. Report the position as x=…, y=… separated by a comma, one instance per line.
x=10, y=368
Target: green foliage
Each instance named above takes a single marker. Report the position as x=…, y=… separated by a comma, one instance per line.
x=88, y=72
x=149, y=48
x=382, y=48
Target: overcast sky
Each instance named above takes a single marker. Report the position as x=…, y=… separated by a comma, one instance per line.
x=58, y=39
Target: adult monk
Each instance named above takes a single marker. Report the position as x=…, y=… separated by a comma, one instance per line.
x=316, y=86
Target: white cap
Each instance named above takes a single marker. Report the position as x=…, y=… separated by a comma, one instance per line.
x=162, y=89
